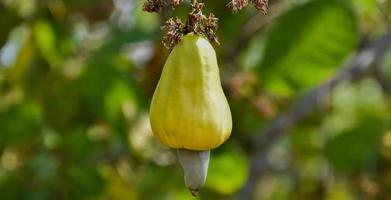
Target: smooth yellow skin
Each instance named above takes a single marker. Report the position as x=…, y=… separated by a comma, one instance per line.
x=189, y=109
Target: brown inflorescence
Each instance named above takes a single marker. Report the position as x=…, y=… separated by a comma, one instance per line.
x=174, y=32
x=158, y=5
x=197, y=23
x=261, y=5
x=236, y=5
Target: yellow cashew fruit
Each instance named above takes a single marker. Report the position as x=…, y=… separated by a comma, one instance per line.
x=189, y=109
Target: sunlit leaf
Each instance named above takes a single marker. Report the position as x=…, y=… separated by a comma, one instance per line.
x=46, y=40
x=340, y=190
x=118, y=187
x=108, y=92
x=118, y=95
x=307, y=44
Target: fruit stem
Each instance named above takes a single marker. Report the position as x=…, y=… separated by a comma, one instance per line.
x=195, y=167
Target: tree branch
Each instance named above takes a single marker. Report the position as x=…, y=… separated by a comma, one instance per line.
x=358, y=66
x=382, y=79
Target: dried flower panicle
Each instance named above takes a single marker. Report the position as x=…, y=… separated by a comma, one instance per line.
x=199, y=23
x=211, y=26
x=175, y=2
x=174, y=32
x=236, y=5
x=195, y=19
x=196, y=22
x=154, y=5
x=158, y=5
x=261, y=5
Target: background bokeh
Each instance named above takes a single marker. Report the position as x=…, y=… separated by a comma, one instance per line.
x=77, y=76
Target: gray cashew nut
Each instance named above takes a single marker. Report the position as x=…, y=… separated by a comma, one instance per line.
x=195, y=166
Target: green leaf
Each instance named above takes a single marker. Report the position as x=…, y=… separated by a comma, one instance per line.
x=351, y=150
x=105, y=84
x=76, y=144
x=306, y=45
x=19, y=122
x=228, y=169
x=46, y=40
x=245, y=117
x=119, y=94
x=85, y=181
x=107, y=90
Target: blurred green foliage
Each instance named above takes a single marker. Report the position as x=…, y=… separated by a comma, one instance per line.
x=77, y=76
x=324, y=33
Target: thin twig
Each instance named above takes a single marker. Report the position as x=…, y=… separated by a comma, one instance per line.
x=358, y=66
